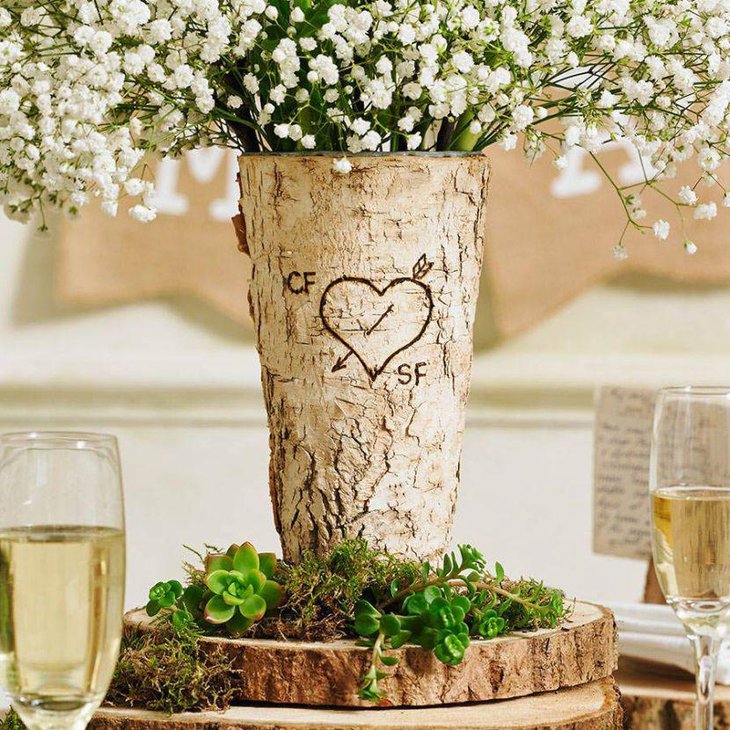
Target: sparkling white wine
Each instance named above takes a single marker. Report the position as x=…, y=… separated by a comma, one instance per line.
x=61, y=604
x=691, y=540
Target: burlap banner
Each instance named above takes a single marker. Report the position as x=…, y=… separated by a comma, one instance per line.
x=551, y=233
x=550, y=238
x=189, y=249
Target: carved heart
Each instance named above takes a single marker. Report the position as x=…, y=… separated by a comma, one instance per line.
x=375, y=324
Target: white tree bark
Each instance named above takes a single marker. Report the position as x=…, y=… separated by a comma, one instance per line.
x=363, y=296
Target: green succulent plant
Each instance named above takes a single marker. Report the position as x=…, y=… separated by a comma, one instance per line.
x=238, y=590
x=242, y=588
x=490, y=625
x=163, y=595
x=445, y=608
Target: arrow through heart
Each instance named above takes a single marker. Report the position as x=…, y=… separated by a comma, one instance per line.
x=375, y=324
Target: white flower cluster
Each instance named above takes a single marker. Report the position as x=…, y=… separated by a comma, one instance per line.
x=87, y=87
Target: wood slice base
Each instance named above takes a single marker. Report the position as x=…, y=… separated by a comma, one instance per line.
x=593, y=706
x=654, y=698
x=581, y=650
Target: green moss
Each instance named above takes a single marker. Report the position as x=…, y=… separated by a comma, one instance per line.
x=321, y=592
x=165, y=670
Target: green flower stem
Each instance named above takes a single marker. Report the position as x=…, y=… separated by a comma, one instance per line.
x=464, y=140
x=414, y=588
x=457, y=580
x=377, y=647
x=513, y=597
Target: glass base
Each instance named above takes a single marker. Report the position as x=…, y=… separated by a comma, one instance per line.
x=703, y=617
x=55, y=713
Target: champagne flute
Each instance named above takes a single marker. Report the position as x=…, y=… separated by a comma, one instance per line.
x=690, y=496
x=61, y=574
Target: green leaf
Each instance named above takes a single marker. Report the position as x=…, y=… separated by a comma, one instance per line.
x=365, y=607
x=389, y=625
x=451, y=650
x=394, y=587
x=218, y=581
x=167, y=600
x=388, y=661
x=254, y=607
x=273, y=594
x=499, y=572
x=267, y=564
x=399, y=639
x=415, y=604
x=215, y=562
x=192, y=598
x=461, y=602
x=232, y=599
x=157, y=591
x=153, y=608
x=427, y=639
x=366, y=625
x=239, y=624
x=181, y=619
x=256, y=579
x=447, y=565
x=176, y=587
x=217, y=611
x=246, y=558
x=503, y=607
x=431, y=593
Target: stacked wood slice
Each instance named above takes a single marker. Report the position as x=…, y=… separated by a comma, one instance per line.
x=657, y=698
x=556, y=678
x=593, y=706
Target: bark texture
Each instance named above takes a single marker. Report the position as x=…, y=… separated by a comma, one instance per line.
x=326, y=673
x=592, y=706
x=363, y=295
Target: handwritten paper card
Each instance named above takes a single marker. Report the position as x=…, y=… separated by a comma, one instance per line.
x=622, y=446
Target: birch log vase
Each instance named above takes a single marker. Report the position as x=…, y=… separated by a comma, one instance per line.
x=363, y=295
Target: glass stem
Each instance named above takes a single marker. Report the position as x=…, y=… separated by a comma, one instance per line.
x=706, y=650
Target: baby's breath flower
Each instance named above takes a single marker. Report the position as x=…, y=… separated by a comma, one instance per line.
x=142, y=213
x=687, y=196
x=661, y=229
x=705, y=211
x=251, y=83
x=122, y=78
x=414, y=141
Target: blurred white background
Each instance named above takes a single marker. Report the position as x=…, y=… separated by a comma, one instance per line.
x=179, y=386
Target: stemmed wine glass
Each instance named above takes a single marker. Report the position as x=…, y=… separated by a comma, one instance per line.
x=61, y=574
x=690, y=507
